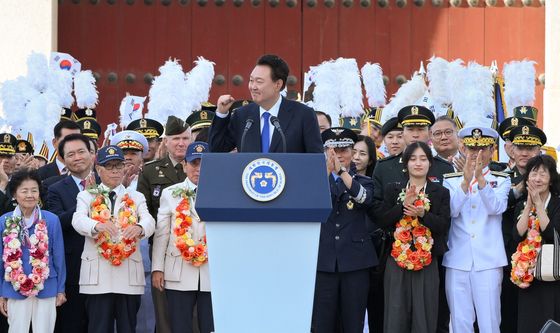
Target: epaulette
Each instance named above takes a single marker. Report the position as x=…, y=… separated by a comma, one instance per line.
x=500, y=174
x=389, y=158
x=150, y=162
x=453, y=175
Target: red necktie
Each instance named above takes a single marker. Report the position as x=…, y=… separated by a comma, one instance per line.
x=83, y=183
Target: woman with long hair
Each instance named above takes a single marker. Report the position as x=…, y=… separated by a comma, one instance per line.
x=364, y=155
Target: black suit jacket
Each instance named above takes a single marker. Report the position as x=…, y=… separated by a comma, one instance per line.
x=437, y=218
x=48, y=170
x=297, y=120
x=61, y=200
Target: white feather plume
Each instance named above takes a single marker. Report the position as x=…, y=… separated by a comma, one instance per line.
x=168, y=92
x=438, y=70
x=198, y=84
x=15, y=95
x=410, y=92
x=474, y=102
x=372, y=76
x=37, y=71
x=519, y=84
x=85, y=90
x=350, y=87
x=60, y=85
x=42, y=114
x=326, y=95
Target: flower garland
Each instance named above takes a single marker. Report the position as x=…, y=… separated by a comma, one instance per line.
x=31, y=284
x=195, y=253
x=115, y=251
x=409, y=231
x=524, y=260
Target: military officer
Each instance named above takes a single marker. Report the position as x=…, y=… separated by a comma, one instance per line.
x=157, y=176
x=8, y=144
x=24, y=155
x=346, y=251
x=134, y=146
x=371, y=125
x=476, y=256
x=200, y=121
x=152, y=130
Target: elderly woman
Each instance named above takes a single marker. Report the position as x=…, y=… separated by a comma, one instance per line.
x=33, y=269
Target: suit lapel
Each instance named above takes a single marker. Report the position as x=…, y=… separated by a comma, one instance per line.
x=71, y=186
x=169, y=170
x=285, y=115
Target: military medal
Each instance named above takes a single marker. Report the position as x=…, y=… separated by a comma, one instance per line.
x=350, y=205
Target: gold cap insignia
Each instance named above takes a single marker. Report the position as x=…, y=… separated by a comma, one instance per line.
x=476, y=133
x=199, y=149
x=414, y=110
x=111, y=151
x=143, y=123
x=87, y=124
x=21, y=146
x=514, y=121
x=7, y=138
x=523, y=110
x=245, y=103
x=525, y=130
x=203, y=115
x=353, y=122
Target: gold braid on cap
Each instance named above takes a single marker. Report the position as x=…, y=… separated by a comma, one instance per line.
x=527, y=140
x=483, y=141
x=148, y=132
x=416, y=122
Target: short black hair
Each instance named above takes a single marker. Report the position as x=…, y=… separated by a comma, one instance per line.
x=321, y=113
x=370, y=144
x=68, y=124
x=409, y=150
x=279, y=69
x=22, y=175
x=73, y=137
x=549, y=164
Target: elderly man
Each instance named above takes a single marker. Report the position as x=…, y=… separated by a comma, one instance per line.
x=113, y=219
x=134, y=146
x=183, y=275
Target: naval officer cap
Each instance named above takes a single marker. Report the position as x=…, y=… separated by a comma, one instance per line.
x=478, y=136
x=130, y=140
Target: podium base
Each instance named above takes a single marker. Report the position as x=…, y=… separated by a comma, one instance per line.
x=262, y=275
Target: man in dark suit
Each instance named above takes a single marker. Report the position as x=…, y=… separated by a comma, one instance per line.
x=75, y=151
x=57, y=167
x=297, y=121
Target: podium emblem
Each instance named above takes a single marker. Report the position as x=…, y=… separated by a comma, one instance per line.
x=263, y=179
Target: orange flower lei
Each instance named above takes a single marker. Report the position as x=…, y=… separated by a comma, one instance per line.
x=114, y=251
x=410, y=232
x=195, y=253
x=524, y=260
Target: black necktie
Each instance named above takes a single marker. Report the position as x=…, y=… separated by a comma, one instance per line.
x=112, y=197
x=179, y=170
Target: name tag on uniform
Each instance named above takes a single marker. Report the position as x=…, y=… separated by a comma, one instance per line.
x=433, y=179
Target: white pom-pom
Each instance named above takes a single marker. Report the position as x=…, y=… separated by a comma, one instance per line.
x=37, y=71
x=410, y=92
x=168, y=92
x=198, y=84
x=85, y=90
x=350, y=87
x=519, y=84
x=372, y=76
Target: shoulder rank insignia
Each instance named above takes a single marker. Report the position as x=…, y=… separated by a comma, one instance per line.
x=500, y=174
x=453, y=175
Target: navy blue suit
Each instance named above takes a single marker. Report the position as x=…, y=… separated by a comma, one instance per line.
x=61, y=200
x=346, y=253
x=297, y=120
x=48, y=170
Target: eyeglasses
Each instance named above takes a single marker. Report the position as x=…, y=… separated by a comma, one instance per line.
x=111, y=167
x=439, y=134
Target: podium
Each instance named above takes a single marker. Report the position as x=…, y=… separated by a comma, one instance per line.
x=263, y=215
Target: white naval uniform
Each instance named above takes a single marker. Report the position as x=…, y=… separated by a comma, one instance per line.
x=476, y=251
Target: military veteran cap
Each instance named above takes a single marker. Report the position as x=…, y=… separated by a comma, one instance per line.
x=373, y=116
x=109, y=153
x=200, y=119
x=149, y=128
x=7, y=144
x=24, y=147
x=90, y=128
x=352, y=123
x=527, y=112
x=86, y=113
x=338, y=137
x=391, y=125
x=478, y=136
x=509, y=123
x=175, y=126
x=416, y=115
x=130, y=140
x=195, y=150
x=527, y=136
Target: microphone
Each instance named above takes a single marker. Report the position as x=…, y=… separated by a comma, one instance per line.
x=248, y=123
x=276, y=123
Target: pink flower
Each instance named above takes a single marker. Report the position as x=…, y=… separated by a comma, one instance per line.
x=21, y=278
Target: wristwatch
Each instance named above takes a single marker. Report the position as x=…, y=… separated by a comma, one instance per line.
x=341, y=171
